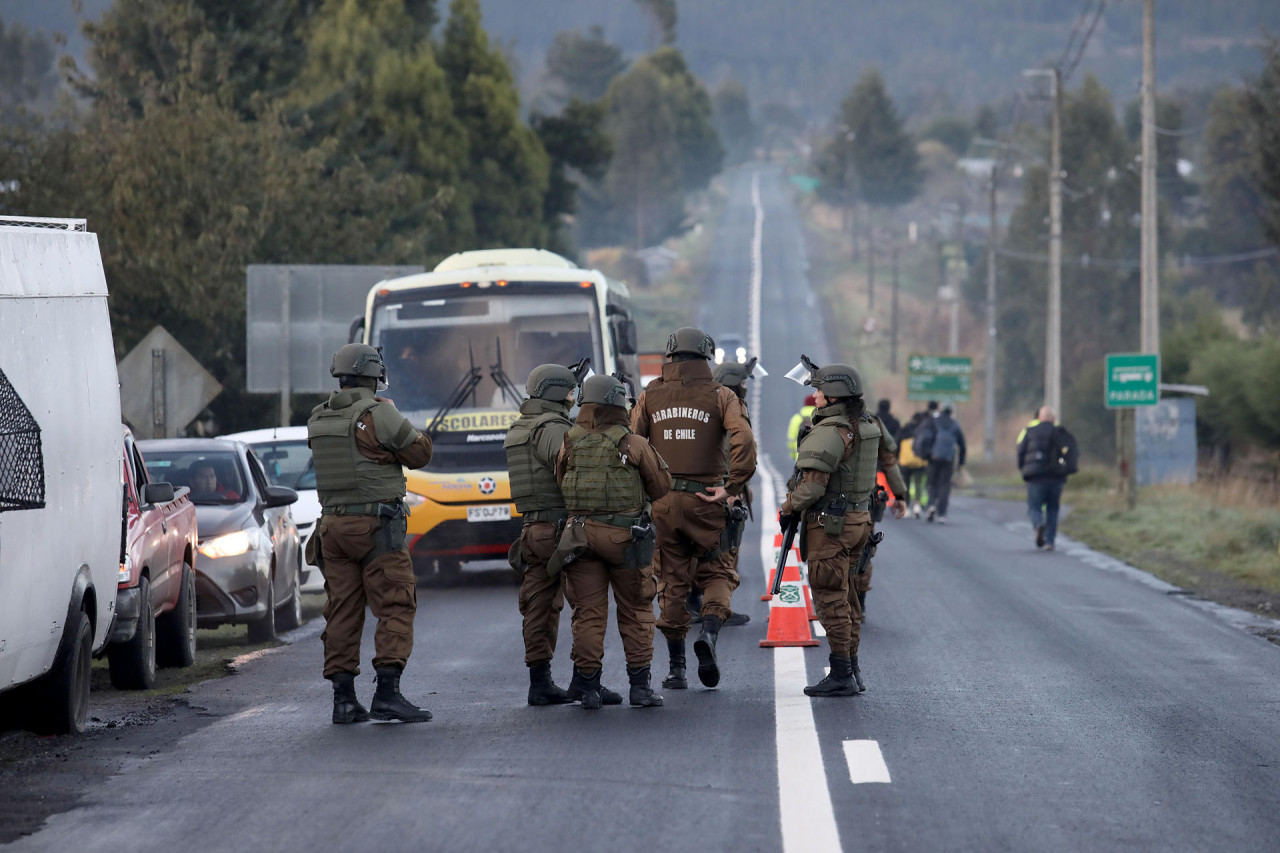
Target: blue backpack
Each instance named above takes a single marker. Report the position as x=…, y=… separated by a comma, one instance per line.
x=943, y=446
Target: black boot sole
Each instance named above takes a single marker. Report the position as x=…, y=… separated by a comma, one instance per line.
x=708, y=669
x=670, y=683
x=344, y=719
x=543, y=699
x=388, y=717
x=850, y=691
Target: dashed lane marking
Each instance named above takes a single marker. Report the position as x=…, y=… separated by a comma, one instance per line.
x=866, y=763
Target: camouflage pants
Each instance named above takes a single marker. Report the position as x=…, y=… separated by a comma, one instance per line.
x=387, y=586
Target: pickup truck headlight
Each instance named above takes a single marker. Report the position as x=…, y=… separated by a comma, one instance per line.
x=227, y=545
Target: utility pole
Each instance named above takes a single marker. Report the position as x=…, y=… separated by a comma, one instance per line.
x=1150, y=320
x=893, y=314
x=1053, y=331
x=989, y=381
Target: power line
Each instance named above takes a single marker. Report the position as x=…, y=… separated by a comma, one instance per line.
x=1065, y=68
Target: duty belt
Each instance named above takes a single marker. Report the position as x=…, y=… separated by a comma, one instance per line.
x=679, y=484
x=359, y=509
x=547, y=516
x=860, y=506
x=617, y=519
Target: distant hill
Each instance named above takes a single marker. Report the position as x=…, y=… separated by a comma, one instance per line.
x=937, y=55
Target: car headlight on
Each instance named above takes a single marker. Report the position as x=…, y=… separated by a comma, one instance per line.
x=742, y=355
x=227, y=545
x=719, y=355
x=412, y=499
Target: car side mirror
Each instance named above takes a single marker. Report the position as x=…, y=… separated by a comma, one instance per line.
x=279, y=496
x=157, y=493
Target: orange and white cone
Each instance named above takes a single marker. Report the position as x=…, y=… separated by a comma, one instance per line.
x=788, y=617
x=793, y=559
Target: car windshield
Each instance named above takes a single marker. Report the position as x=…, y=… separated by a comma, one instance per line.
x=430, y=345
x=287, y=463
x=213, y=476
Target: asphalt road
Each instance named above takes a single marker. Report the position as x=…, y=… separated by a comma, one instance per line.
x=1016, y=700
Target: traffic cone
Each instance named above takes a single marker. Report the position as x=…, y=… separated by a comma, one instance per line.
x=793, y=559
x=788, y=620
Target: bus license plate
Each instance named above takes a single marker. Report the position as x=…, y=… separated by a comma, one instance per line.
x=499, y=512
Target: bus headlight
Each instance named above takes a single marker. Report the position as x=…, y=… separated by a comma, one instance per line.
x=719, y=355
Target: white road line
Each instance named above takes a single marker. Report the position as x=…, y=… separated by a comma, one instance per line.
x=866, y=764
x=804, y=797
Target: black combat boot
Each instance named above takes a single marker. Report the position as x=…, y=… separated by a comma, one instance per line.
x=857, y=673
x=641, y=694
x=736, y=620
x=839, y=683
x=346, y=707
x=693, y=603
x=542, y=690
x=705, y=648
x=577, y=689
x=586, y=688
x=388, y=704
x=675, y=680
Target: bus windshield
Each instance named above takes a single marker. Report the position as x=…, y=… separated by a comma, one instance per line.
x=430, y=344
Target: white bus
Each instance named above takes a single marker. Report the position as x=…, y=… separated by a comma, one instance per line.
x=60, y=467
x=459, y=343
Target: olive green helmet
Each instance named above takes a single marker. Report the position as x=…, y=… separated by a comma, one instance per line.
x=359, y=360
x=550, y=382
x=604, y=390
x=837, y=380
x=691, y=340
x=732, y=375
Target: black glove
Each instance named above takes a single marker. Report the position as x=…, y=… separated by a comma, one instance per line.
x=786, y=519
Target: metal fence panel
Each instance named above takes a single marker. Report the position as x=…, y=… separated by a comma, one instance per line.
x=1166, y=439
x=298, y=315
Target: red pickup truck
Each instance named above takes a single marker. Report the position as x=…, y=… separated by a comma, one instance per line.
x=155, y=615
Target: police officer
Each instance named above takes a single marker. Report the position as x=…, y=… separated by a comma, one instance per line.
x=831, y=490
x=685, y=415
x=608, y=475
x=359, y=443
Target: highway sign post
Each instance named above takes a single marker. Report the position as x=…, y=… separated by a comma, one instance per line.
x=1133, y=379
x=945, y=378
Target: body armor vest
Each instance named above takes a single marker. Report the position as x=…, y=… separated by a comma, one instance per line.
x=343, y=474
x=533, y=482
x=854, y=475
x=596, y=480
x=684, y=420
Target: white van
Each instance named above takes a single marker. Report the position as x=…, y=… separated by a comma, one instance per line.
x=60, y=474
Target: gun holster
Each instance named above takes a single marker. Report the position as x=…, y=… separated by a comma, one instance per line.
x=643, y=540
x=393, y=529
x=734, y=528
x=313, y=553
x=879, y=499
x=832, y=517
x=868, y=551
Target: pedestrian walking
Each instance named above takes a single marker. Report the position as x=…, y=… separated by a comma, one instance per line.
x=1047, y=455
x=608, y=476
x=887, y=420
x=361, y=445
x=686, y=415
x=941, y=442
x=532, y=445
x=831, y=493
x=913, y=467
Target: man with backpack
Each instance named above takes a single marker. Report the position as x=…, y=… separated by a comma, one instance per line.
x=941, y=442
x=1047, y=455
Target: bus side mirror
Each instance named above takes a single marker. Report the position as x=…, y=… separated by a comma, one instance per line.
x=628, y=341
x=355, y=332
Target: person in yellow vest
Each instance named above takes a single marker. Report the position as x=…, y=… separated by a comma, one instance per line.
x=799, y=421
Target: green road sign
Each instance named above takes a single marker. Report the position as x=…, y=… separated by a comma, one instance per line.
x=945, y=378
x=1133, y=379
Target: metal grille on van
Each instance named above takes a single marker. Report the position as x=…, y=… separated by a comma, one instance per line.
x=464, y=457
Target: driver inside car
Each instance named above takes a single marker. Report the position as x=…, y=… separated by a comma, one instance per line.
x=204, y=481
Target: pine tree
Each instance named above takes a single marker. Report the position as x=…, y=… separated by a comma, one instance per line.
x=701, y=155
x=583, y=66
x=881, y=152
x=580, y=150
x=507, y=171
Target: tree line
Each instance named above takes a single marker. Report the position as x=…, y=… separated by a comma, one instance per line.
x=203, y=136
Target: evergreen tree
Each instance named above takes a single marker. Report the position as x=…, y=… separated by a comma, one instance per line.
x=579, y=150
x=27, y=75
x=1263, y=100
x=583, y=66
x=732, y=113
x=371, y=84
x=663, y=14
x=507, y=171
x=701, y=155
x=881, y=152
